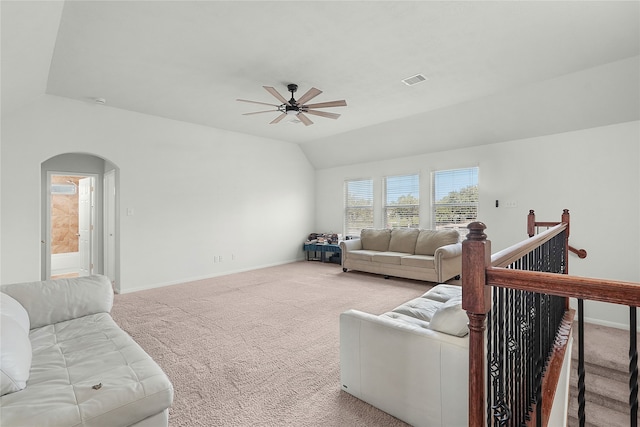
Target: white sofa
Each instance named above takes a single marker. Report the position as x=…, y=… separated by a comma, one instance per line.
x=411, y=253
x=411, y=362
x=65, y=362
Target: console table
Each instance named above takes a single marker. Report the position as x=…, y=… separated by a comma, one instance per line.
x=322, y=249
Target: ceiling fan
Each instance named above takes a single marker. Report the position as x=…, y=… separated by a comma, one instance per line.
x=297, y=108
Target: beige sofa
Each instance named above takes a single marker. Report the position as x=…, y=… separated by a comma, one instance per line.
x=431, y=255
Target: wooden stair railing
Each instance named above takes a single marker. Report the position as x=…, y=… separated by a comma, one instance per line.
x=489, y=283
x=533, y=226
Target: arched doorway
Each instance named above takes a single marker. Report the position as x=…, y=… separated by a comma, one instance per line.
x=80, y=225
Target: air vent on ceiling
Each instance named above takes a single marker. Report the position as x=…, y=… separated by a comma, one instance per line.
x=410, y=81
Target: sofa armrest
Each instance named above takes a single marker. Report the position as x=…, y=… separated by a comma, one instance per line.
x=411, y=372
x=448, y=261
x=350, y=245
x=53, y=301
x=449, y=251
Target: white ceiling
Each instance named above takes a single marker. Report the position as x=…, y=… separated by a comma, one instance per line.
x=497, y=70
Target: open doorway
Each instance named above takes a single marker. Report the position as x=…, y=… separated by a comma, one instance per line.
x=80, y=224
x=72, y=213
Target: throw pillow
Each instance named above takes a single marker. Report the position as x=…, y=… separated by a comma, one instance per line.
x=430, y=240
x=12, y=308
x=450, y=318
x=15, y=357
x=375, y=240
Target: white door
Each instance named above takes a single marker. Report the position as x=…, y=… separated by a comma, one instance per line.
x=85, y=225
x=110, y=225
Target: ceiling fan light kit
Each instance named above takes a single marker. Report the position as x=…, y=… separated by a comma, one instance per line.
x=298, y=108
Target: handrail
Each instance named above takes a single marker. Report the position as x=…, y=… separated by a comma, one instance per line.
x=564, y=285
x=517, y=251
x=580, y=252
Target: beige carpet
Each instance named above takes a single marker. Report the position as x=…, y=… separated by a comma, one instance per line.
x=260, y=348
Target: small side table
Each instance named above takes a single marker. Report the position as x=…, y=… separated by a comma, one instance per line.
x=323, y=249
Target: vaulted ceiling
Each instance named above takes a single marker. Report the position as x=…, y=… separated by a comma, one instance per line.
x=496, y=71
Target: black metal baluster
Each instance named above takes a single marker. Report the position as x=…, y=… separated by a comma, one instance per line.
x=581, y=401
x=540, y=361
x=509, y=376
x=633, y=367
x=490, y=353
x=530, y=355
x=500, y=412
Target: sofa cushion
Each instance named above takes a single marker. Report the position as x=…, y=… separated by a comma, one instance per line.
x=422, y=261
x=419, y=308
x=362, y=255
x=12, y=308
x=15, y=355
x=88, y=371
x=443, y=292
x=375, y=240
x=388, y=257
x=450, y=318
x=403, y=240
x=399, y=317
x=430, y=240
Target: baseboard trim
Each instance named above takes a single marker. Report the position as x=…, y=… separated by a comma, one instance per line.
x=210, y=276
x=624, y=326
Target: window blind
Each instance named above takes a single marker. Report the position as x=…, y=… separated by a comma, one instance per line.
x=455, y=199
x=402, y=201
x=358, y=202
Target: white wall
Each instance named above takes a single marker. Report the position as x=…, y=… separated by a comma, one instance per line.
x=196, y=192
x=594, y=173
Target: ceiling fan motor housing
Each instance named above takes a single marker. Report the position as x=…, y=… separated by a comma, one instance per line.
x=291, y=109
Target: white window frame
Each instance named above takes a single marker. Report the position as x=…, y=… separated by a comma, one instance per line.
x=410, y=186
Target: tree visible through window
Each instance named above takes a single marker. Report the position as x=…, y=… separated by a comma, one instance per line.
x=455, y=199
x=358, y=202
x=402, y=201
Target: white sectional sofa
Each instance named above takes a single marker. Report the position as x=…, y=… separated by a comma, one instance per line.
x=65, y=362
x=411, y=253
x=411, y=362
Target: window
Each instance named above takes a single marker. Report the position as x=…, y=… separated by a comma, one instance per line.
x=455, y=199
x=358, y=203
x=402, y=201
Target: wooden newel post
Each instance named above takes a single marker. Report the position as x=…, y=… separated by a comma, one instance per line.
x=476, y=300
x=531, y=223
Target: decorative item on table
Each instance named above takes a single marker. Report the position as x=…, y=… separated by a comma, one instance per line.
x=322, y=238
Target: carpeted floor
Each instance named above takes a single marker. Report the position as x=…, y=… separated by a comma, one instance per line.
x=260, y=348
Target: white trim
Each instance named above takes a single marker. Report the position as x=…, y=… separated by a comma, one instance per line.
x=210, y=276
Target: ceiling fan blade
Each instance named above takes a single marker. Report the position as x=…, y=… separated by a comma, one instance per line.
x=323, y=114
x=341, y=103
x=311, y=93
x=259, y=112
x=275, y=93
x=304, y=119
x=277, y=119
x=256, y=102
